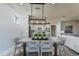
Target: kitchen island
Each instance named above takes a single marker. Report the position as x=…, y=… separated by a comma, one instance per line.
x=72, y=42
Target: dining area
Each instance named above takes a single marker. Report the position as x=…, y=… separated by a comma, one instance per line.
x=29, y=47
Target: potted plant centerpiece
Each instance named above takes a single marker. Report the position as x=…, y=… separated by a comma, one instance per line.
x=44, y=36
x=35, y=36
x=39, y=35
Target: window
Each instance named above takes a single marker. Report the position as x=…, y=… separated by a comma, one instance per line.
x=68, y=29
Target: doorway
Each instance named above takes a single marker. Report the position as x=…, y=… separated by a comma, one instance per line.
x=53, y=30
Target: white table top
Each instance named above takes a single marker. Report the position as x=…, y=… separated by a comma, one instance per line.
x=25, y=39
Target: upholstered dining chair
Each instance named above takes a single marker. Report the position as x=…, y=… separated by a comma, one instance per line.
x=18, y=45
x=32, y=48
x=47, y=48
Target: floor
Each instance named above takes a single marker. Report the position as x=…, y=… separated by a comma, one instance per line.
x=62, y=52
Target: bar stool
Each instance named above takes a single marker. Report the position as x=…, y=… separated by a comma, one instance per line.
x=62, y=46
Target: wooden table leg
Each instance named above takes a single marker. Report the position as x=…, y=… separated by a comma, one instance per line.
x=24, y=49
x=55, y=46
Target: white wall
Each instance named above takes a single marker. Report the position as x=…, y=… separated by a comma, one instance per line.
x=9, y=30
x=23, y=12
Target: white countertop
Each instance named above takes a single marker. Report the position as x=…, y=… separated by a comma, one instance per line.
x=72, y=42
x=25, y=39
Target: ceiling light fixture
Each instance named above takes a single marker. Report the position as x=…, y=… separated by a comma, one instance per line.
x=21, y=3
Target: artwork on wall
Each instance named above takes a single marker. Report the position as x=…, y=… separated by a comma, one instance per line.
x=16, y=19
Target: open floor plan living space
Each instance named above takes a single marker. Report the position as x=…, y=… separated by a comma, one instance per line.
x=39, y=29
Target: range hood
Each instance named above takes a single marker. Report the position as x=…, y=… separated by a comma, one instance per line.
x=37, y=11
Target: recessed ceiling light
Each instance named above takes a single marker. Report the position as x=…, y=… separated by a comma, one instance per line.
x=53, y=3
x=21, y=3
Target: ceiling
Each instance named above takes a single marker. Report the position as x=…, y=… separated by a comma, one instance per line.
x=69, y=11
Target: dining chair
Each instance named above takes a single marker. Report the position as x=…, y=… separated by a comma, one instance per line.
x=47, y=48
x=32, y=48
x=18, y=45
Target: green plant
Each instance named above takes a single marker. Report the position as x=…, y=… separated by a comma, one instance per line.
x=44, y=35
x=35, y=34
x=39, y=34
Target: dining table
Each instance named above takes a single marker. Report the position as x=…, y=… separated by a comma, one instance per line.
x=26, y=39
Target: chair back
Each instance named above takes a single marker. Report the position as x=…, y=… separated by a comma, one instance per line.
x=32, y=46
x=16, y=41
x=46, y=45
